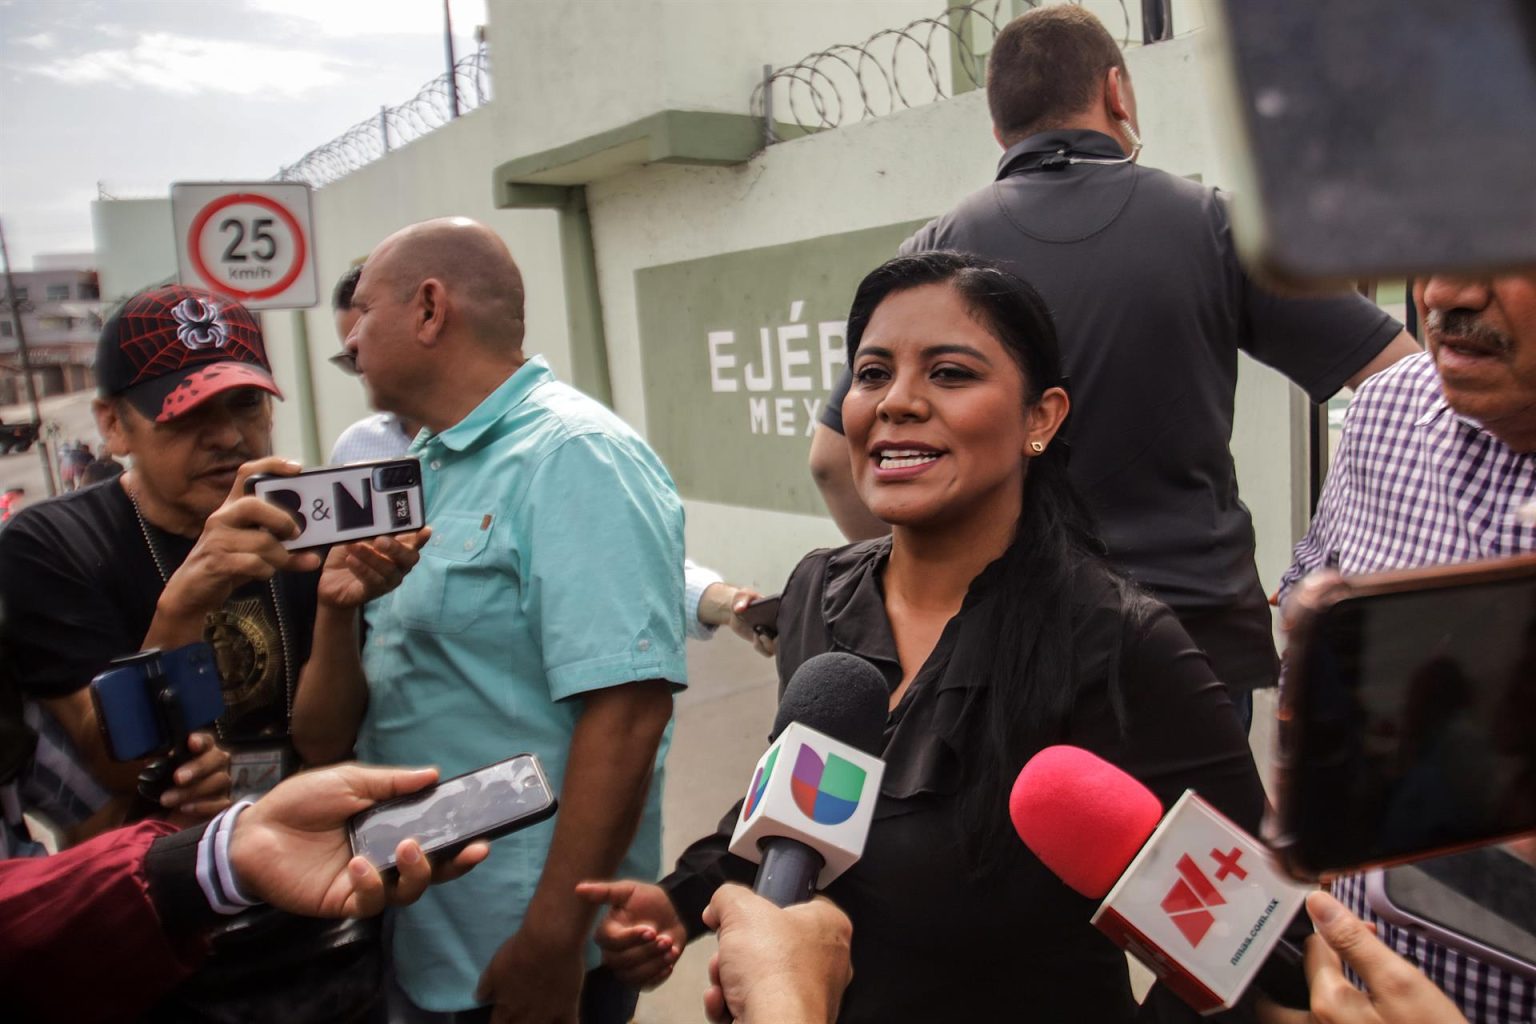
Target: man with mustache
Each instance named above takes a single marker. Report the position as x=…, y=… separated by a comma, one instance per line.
x=1437, y=465
x=170, y=553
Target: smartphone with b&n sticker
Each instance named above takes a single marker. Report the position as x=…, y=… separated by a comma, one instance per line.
x=483, y=804
x=338, y=504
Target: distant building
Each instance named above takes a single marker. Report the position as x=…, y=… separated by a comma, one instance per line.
x=61, y=315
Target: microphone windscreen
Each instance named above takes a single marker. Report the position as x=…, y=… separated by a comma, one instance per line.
x=840, y=695
x=1082, y=816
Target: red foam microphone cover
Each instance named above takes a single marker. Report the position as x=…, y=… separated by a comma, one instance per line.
x=1083, y=817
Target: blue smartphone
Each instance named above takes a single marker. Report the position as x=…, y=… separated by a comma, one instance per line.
x=126, y=712
x=124, y=696
x=192, y=673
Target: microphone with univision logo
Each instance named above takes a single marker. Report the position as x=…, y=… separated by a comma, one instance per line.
x=808, y=810
x=1196, y=899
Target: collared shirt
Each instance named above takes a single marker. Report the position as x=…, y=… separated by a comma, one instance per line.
x=380, y=437
x=1414, y=483
x=554, y=569
x=371, y=439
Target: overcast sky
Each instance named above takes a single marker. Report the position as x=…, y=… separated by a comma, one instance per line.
x=135, y=94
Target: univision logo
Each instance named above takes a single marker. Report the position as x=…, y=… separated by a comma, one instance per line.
x=759, y=785
x=827, y=791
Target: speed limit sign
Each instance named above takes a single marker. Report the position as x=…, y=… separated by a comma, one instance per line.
x=251, y=241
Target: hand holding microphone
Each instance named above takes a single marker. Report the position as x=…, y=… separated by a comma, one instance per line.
x=776, y=965
x=1195, y=898
x=804, y=819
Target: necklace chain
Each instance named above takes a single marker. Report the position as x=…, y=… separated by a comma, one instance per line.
x=277, y=611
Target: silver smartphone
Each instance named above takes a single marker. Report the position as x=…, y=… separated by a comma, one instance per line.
x=339, y=504
x=483, y=804
x=1482, y=902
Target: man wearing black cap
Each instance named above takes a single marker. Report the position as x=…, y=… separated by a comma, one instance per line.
x=167, y=554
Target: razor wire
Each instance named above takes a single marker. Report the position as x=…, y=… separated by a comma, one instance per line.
x=894, y=69
x=392, y=127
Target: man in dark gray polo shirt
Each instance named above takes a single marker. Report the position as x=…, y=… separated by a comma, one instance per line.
x=1151, y=307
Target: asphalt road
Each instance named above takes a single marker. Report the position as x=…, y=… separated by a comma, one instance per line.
x=72, y=415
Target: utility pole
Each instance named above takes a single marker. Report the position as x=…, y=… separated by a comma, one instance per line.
x=14, y=306
x=453, y=75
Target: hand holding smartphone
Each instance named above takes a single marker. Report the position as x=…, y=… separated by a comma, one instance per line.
x=338, y=504
x=147, y=703
x=1409, y=717
x=486, y=803
x=763, y=615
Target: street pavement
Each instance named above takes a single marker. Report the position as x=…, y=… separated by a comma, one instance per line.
x=72, y=414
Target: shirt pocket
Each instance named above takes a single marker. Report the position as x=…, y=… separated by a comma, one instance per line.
x=446, y=591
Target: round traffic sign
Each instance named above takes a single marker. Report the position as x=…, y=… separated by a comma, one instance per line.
x=254, y=251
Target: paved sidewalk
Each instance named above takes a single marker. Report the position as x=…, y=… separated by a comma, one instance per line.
x=723, y=720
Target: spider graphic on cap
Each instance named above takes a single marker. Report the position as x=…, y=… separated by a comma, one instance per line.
x=199, y=324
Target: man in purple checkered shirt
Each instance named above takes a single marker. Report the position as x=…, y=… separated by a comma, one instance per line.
x=1438, y=465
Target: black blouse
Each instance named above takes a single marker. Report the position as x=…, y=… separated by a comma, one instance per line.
x=931, y=943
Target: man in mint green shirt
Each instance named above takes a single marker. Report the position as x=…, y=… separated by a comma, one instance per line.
x=545, y=616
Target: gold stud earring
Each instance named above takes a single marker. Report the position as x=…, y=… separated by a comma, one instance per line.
x=1037, y=447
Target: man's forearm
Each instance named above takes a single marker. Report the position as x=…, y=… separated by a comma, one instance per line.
x=71, y=917
x=332, y=694
x=179, y=620
x=607, y=778
x=833, y=474
x=77, y=715
x=786, y=1005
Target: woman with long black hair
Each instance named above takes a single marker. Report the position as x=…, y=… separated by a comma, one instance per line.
x=999, y=630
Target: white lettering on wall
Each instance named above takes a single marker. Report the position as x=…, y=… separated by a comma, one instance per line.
x=761, y=380
x=757, y=412
x=784, y=416
x=719, y=361
x=812, y=414
x=784, y=358
x=790, y=358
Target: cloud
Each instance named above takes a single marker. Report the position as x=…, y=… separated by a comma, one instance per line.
x=41, y=41
x=376, y=17
x=184, y=66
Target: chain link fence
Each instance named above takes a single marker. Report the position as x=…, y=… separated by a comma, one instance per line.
x=895, y=69
x=438, y=102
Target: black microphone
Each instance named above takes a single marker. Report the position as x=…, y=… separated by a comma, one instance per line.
x=808, y=810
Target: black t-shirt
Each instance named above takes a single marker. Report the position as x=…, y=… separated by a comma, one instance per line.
x=1151, y=307
x=79, y=586
x=930, y=942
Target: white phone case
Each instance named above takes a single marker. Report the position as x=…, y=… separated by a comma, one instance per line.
x=346, y=503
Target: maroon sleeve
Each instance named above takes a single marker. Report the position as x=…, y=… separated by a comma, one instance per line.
x=82, y=940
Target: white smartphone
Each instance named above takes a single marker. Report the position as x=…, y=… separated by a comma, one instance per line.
x=338, y=504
